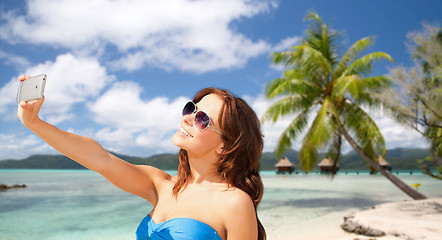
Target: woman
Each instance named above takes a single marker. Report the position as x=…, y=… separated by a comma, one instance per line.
x=218, y=187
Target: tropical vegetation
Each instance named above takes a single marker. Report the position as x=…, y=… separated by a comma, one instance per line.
x=333, y=90
x=416, y=97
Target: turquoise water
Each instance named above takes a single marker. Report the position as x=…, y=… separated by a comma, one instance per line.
x=80, y=204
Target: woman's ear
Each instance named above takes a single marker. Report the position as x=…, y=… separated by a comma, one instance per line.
x=220, y=148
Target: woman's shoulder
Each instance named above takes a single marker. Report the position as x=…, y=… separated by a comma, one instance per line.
x=234, y=198
x=238, y=213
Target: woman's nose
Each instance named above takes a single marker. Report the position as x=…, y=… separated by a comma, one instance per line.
x=188, y=119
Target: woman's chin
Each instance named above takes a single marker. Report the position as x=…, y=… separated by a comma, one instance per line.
x=177, y=140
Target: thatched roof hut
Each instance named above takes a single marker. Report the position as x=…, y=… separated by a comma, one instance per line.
x=284, y=165
x=386, y=165
x=326, y=166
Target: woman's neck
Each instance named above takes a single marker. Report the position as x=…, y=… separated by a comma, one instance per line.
x=204, y=169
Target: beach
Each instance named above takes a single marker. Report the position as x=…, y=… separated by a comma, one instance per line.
x=394, y=220
x=317, y=210
x=80, y=204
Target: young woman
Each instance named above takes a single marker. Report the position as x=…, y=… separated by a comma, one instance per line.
x=218, y=187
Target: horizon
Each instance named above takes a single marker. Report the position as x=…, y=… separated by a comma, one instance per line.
x=120, y=73
x=170, y=153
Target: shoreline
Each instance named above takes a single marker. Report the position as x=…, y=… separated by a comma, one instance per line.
x=400, y=220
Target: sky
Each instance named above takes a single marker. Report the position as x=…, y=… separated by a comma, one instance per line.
x=120, y=71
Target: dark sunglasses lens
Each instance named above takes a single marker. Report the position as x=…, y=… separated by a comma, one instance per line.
x=201, y=120
x=189, y=108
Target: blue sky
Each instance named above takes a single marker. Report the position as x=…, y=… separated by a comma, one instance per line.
x=120, y=71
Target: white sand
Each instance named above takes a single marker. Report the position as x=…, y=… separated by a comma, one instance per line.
x=405, y=220
x=284, y=224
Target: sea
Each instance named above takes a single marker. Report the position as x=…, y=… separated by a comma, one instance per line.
x=81, y=204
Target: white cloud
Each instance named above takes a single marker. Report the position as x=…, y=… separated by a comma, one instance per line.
x=122, y=107
x=13, y=60
x=183, y=34
x=397, y=135
x=156, y=138
x=17, y=146
x=8, y=96
x=286, y=43
x=134, y=121
x=71, y=80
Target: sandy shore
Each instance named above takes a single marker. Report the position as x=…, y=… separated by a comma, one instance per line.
x=405, y=220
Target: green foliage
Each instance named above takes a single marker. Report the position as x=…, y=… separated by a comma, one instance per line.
x=318, y=80
x=417, y=98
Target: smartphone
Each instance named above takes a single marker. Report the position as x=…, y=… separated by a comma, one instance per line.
x=31, y=88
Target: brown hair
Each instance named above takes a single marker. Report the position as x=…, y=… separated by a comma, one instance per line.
x=243, y=144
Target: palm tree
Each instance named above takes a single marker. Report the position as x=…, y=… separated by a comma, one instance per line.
x=318, y=81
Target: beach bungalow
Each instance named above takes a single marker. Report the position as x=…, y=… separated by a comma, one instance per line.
x=284, y=165
x=326, y=166
x=384, y=164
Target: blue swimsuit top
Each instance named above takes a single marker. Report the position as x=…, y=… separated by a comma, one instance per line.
x=175, y=229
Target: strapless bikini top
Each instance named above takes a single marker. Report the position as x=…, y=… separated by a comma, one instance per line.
x=175, y=229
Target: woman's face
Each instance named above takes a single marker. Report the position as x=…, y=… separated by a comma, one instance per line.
x=201, y=143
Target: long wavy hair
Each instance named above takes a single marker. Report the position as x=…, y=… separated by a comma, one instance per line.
x=238, y=164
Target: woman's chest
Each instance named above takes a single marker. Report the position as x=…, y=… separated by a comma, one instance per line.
x=200, y=205
x=197, y=203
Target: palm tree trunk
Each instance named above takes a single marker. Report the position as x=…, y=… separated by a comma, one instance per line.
x=395, y=180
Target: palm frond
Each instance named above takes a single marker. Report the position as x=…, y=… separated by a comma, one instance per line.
x=358, y=122
x=360, y=89
x=313, y=61
x=317, y=136
x=313, y=16
x=364, y=65
x=277, y=87
x=321, y=37
x=308, y=156
x=369, y=150
x=292, y=83
x=286, y=106
x=347, y=84
x=352, y=53
x=321, y=128
x=303, y=58
x=291, y=132
x=370, y=87
x=281, y=57
x=375, y=83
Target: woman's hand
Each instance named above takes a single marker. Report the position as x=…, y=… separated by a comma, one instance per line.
x=28, y=111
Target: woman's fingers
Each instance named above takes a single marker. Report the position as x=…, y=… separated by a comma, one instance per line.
x=28, y=111
x=22, y=78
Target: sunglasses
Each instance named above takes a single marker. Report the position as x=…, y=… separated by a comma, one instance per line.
x=202, y=120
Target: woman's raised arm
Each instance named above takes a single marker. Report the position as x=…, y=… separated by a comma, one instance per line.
x=143, y=181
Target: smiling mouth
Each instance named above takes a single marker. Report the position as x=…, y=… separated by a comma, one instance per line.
x=184, y=132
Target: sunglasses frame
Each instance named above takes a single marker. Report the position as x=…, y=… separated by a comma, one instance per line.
x=196, y=111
